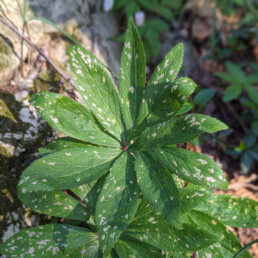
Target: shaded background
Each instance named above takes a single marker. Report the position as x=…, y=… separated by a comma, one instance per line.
x=221, y=54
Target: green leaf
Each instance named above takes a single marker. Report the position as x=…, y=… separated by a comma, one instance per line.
x=48, y=241
x=132, y=75
x=191, y=166
x=232, y=211
x=166, y=13
x=229, y=243
x=185, y=108
x=236, y=71
x=93, y=195
x=204, y=96
x=62, y=143
x=191, y=197
x=96, y=89
x=149, y=227
x=228, y=77
x=252, y=93
x=162, y=78
x=117, y=202
x=158, y=188
x=177, y=130
x=55, y=203
x=136, y=249
x=169, y=103
x=232, y=92
x=71, y=118
x=5, y=111
x=67, y=169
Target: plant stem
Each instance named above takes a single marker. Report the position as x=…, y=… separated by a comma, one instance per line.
x=245, y=247
x=59, y=71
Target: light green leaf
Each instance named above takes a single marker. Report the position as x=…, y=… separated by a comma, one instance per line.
x=71, y=118
x=162, y=79
x=191, y=166
x=67, y=169
x=117, y=202
x=132, y=75
x=158, y=188
x=96, y=89
x=232, y=92
x=136, y=249
x=177, y=130
x=48, y=241
x=149, y=227
x=55, y=203
x=229, y=243
x=232, y=211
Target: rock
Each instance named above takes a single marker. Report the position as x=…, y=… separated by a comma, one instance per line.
x=75, y=17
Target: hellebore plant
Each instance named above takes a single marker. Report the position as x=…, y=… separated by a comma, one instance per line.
x=118, y=180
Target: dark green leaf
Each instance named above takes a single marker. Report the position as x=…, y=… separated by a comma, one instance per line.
x=48, y=241
x=71, y=118
x=67, y=169
x=232, y=211
x=191, y=166
x=177, y=130
x=169, y=103
x=166, y=13
x=158, y=188
x=149, y=227
x=132, y=75
x=204, y=96
x=229, y=243
x=117, y=202
x=136, y=249
x=96, y=89
x=161, y=79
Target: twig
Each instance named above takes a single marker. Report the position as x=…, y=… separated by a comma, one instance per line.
x=60, y=72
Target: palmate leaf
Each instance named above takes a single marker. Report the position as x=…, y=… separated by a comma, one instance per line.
x=67, y=169
x=117, y=202
x=232, y=211
x=131, y=248
x=48, y=241
x=191, y=166
x=162, y=79
x=177, y=130
x=55, y=203
x=70, y=117
x=158, y=187
x=132, y=75
x=149, y=227
x=96, y=89
x=229, y=243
